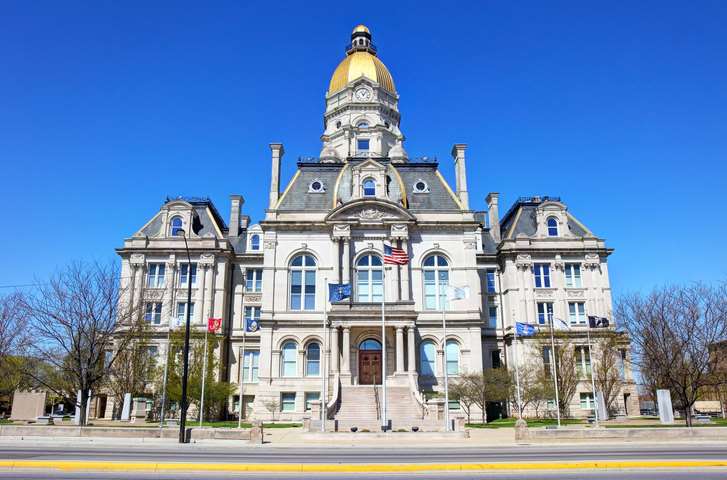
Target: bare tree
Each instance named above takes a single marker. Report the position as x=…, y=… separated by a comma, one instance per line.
x=463, y=390
x=608, y=367
x=74, y=317
x=672, y=329
x=533, y=390
x=272, y=405
x=489, y=385
x=565, y=368
x=14, y=339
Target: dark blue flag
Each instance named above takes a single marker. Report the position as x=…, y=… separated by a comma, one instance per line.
x=524, y=329
x=338, y=291
x=251, y=325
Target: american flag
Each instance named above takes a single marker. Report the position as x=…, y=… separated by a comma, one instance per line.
x=396, y=256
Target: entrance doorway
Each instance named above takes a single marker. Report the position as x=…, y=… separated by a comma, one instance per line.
x=369, y=362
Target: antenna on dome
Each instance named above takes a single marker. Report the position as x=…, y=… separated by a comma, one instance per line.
x=361, y=41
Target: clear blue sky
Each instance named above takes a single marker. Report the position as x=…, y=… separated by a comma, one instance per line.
x=618, y=107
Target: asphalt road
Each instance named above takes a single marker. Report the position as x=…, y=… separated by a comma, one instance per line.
x=211, y=453
x=327, y=454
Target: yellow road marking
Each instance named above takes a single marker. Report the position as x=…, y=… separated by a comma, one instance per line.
x=69, y=465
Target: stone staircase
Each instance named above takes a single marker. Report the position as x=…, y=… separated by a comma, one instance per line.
x=360, y=406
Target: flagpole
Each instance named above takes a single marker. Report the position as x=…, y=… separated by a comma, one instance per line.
x=446, y=377
x=384, y=422
x=204, y=374
x=555, y=369
x=517, y=371
x=324, y=371
x=593, y=369
x=242, y=371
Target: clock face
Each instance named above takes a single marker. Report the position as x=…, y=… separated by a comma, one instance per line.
x=363, y=94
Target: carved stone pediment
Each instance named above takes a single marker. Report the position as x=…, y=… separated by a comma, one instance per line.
x=370, y=211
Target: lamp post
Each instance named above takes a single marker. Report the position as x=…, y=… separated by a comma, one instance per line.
x=185, y=352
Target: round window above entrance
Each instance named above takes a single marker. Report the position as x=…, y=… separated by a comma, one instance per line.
x=370, y=344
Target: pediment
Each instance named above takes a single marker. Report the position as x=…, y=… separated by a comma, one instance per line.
x=369, y=211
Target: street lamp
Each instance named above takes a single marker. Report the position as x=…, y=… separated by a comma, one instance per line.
x=185, y=354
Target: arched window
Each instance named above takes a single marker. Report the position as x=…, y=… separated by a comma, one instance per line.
x=552, y=227
x=436, y=279
x=303, y=283
x=370, y=344
x=288, y=361
x=363, y=124
x=313, y=360
x=175, y=225
x=427, y=358
x=369, y=279
x=255, y=242
x=452, y=356
x=369, y=188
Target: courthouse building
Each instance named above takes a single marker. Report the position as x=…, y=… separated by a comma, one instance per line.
x=329, y=224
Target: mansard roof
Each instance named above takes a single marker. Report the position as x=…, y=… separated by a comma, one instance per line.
x=521, y=218
x=298, y=194
x=207, y=219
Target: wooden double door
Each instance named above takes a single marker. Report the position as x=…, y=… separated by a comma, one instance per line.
x=369, y=367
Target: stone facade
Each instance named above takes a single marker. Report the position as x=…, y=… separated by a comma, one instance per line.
x=330, y=225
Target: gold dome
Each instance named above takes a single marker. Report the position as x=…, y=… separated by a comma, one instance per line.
x=359, y=64
x=361, y=29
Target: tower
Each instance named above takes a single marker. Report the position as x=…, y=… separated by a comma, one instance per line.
x=362, y=116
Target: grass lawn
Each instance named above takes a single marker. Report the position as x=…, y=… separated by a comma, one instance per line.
x=5, y=421
x=510, y=422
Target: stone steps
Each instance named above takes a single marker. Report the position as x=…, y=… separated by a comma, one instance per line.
x=358, y=409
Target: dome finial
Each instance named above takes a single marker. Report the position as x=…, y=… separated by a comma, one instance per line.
x=361, y=28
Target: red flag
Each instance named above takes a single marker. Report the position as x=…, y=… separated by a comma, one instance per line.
x=213, y=324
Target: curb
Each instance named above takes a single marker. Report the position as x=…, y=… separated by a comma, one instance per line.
x=351, y=468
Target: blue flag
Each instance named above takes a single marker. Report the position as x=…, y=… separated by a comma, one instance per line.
x=524, y=329
x=251, y=325
x=338, y=291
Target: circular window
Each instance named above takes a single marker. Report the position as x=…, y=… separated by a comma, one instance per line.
x=316, y=186
x=421, y=187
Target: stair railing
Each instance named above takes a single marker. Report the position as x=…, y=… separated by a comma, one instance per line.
x=333, y=404
x=376, y=399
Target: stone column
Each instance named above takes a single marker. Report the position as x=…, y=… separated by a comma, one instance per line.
x=346, y=346
x=399, y=349
x=441, y=362
x=199, y=299
x=335, y=357
x=406, y=275
x=301, y=361
x=169, y=291
x=336, y=262
x=346, y=260
x=395, y=283
x=410, y=334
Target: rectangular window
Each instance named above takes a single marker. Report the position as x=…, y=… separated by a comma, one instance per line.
x=182, y=312
x=495, y=358
x=302, y=290
x=251, y=313
x=545, y=313
x=577, y=313
x=287, y=402
x=155, y=275
x=583, y=362
x=251, y=365
x=153, y=352
x=153, y=313
x=547, y=359
x=363, y=145
x=622, y=364
x=573, y=275
x=587, y=402
x=542, y=275
x=310, y=290
x=254, y=280
x=183, y=272
x=430, y=290
x=311, y=397
x=492, y=319
x=491, y=281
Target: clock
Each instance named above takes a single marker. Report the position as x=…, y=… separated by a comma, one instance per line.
x=363, y=94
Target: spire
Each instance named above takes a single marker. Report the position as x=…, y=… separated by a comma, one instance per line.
x=361, y=41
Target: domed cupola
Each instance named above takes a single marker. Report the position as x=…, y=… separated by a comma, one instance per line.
x=362, y=113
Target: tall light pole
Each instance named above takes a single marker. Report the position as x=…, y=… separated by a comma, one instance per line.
x=185, y=352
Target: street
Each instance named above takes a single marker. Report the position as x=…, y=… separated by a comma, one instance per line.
x=220, y=461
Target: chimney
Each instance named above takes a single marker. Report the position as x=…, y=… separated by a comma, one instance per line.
x=461, y=174
x=493, y=215
x=278, y=151
x=236, y=202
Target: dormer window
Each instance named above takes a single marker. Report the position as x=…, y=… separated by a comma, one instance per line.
x=421, y=187
x=369, y=188
x=175, y=225
x=363, y=145
x=316, y=186
x=552, y=223
x=255, y=242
